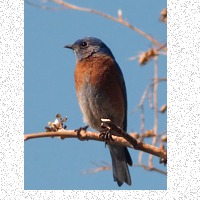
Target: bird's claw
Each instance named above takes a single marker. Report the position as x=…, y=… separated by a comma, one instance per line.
x=106, y=135
x=79, y=131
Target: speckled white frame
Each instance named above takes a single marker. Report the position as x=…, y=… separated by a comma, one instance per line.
x=183, y=109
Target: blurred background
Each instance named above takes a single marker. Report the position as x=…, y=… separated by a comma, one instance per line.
x=55, y=164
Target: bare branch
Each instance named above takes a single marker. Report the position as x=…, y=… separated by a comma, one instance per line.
x=155, y=97
x=118, y=20
x=163, y=15
x=109, y=167
x=87, y=135
x=42, y=6
x=163, y=108
x=164, y=138
x=144, y=96
x=150, y=169
x=98, y=168
x=120, y=132
x=142, y=122
x=146, y=56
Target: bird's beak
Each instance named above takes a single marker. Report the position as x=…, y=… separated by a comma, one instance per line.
x=69, y=46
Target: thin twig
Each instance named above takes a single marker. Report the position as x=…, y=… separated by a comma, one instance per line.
x=150, y=169
x=42, y=6
x=158, y=80
x=155, y=97
x=87, y=135
x=118, y=20
x=162, y=50
x=109, y=167
x=144, y=95
x=142, y=122
x=98, y=168
x=140, y=157
x=107, y=123
x=136, y=144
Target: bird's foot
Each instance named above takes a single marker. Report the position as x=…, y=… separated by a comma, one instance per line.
x=106, y=135
x=79, y=131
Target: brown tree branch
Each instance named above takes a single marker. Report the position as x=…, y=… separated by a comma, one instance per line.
x=119, y=140
x=99, y=167
x=155, y=97
x=109, y=167
x=42, y=6
x=118, y=20
x=144, y=95
x=115, y=19
x=150, y=168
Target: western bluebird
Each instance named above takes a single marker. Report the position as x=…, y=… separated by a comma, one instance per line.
x=101, y=93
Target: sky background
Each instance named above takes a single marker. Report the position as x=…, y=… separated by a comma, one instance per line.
x=49, y=89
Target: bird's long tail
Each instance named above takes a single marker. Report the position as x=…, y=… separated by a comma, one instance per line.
x=120, y=158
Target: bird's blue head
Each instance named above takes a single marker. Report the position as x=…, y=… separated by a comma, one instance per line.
x=89, y=46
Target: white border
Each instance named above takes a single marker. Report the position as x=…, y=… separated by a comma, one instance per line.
x=183, y=108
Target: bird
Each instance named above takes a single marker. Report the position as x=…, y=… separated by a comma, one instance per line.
x=101, y=93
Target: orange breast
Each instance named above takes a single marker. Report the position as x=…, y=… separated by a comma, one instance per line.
x=102, y=74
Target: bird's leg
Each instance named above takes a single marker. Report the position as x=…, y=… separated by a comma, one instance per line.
x=106, y=134
x=79, y=131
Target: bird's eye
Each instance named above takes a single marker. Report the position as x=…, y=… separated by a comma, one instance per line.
x=83, y=44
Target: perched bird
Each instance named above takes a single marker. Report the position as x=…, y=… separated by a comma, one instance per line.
x=101, y=93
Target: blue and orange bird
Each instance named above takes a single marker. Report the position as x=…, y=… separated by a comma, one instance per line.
x=101, y=93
